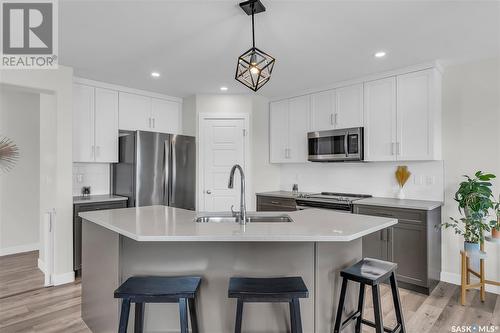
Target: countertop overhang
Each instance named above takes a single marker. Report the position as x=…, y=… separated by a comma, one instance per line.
x=168, y=224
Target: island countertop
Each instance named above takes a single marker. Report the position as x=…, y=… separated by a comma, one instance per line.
x=162, y=223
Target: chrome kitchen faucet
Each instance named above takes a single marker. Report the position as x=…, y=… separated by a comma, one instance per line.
x=242, y=214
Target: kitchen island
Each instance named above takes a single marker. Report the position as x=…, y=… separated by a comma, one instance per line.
x=160, y=240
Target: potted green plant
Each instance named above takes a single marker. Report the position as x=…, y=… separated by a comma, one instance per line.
x=474, y=197
x=495, y=224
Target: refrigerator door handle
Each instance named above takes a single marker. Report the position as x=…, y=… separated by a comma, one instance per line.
x=166, y=182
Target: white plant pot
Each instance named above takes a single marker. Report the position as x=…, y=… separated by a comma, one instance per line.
x=401, y=193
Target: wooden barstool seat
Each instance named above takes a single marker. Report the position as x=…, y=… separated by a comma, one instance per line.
x=370, y=272
x=158, y=289
x=282, y=289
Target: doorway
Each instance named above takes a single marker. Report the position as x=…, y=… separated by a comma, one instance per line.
x=223, y=142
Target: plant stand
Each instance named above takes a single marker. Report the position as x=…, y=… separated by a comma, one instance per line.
x=466, y=271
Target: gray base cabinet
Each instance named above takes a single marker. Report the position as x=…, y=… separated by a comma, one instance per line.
x=77, y=226
x=414, y=244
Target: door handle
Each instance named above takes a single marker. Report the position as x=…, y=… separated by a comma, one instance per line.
x=208, y=192
x=346, y=147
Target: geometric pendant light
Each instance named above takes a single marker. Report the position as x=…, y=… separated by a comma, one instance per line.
x=254, y=67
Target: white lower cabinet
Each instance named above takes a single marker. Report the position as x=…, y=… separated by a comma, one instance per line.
x=289, y=124
x=95, y=124
x=145, y=113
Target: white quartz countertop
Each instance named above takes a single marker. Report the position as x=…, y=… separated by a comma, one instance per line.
x=97, y=198
x=162, y=223
x=399, y=203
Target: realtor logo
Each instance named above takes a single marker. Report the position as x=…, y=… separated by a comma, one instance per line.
x=29, y=36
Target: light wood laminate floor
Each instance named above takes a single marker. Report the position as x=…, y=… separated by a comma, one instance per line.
x=26, y=306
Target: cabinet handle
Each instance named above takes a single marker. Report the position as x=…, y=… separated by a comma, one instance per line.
x=153, y=122
x=98, y=150
x=331, y=119
x=93, y=151
x=336, y=117
x=275, y=202
x=398, y=148
x=149, y=122
x=392, y=148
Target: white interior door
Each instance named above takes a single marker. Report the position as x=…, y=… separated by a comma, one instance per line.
x=223, y=144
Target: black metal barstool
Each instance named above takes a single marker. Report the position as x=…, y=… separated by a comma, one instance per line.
x=283, y=290
x=370, y=272
x=158, y=289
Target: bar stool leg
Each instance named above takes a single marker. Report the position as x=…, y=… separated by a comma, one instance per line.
x=361, y=303
x=293, y=322
x=122, y=328
x=296, y=315
x=338, y=319
x=139, y=318
x=192, y=315
x=183, y=315
x=239, y=316
x=377, y=309
x=397, y=302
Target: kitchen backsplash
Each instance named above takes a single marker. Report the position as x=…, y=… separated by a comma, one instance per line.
x=377, y=179
x=95, y=175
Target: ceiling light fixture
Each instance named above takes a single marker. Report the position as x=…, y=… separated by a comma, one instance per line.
x=254, y=67
x=155, y=74
x=223, y=88
x=380, y=54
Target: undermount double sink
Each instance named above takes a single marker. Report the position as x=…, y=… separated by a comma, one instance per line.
x=251, y=218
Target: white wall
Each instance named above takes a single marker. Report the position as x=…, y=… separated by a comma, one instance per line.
x=262, y=176
x=471, y=142
x=19, y=188
x=95, y=175
x=374, y=178
x=57, y=184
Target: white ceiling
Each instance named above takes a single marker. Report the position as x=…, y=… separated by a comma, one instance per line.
x=195, y=44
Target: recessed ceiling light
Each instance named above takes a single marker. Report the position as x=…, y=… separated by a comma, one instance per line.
x=380, y=54
x=155, y=74
x=223, y=88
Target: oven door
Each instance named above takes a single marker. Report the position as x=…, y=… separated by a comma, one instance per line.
x=327, y=146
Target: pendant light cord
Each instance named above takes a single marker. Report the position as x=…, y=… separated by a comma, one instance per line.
x=253, y=29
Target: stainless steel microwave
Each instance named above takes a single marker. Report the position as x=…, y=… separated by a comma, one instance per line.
x=338, y=145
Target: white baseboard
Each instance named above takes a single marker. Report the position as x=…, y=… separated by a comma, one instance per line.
x=455, y=279
x=19, y=249
x=64, y=278
x=41, y=265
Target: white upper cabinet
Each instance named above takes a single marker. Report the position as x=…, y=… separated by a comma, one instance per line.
x=83, y=123
x=95, y=124
x=106, y=125
x=418, y=119
x=323, y=113
x=135, y=112
x=298, y=126
x=289, y=124
x=278, y=131
x=403, y=117
x=349, y=106
x=144, y=113
x=165, y=116
x=380, y=120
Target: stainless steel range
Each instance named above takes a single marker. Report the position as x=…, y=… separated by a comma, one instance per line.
x=336, y=201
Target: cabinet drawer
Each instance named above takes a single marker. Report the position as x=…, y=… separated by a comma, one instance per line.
x=408, y=215
x=276, y=204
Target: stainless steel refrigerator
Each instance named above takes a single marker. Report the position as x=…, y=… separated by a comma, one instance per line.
x=156, y=169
